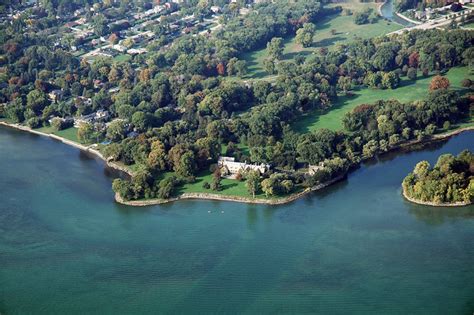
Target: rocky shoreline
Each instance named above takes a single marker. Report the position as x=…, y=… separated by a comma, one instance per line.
x=433, y=204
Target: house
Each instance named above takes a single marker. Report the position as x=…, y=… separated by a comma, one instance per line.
x=119, y=48
x=83, y=100
x=65, y=121
x=136, y=51
x=98, y=84
x=231, y=167
x=216, y=9
x=313, y=169
x=102, y=114
x=84, y=119
x=132, y=134
x=55, y=95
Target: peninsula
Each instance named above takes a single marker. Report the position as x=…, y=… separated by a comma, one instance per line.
x=449, y=183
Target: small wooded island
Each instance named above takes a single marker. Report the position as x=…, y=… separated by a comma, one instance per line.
x=449, y=183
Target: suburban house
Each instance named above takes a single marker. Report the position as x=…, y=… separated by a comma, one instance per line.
x=55, y=95
x=229, y=166
x=313, y=169
x=99, y=116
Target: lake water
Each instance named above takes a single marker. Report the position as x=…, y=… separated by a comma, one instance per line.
x=387, y=11
x=356, y=247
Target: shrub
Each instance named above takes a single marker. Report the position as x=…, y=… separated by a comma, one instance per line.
x=466, y=83
x=34, y=122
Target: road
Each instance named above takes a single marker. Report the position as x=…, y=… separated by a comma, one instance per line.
x=436, y=23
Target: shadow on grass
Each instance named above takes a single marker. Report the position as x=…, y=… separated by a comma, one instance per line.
x=293, y=55
x=328, y=41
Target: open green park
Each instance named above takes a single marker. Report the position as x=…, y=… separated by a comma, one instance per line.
x=409, y=90
x=345, y=31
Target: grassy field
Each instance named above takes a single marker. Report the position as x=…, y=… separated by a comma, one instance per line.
x=469, y=25
x=229, y=186
x=122, y=58
x=346, y=31
x=408, y=91
x=243, y=148
x=70, y=133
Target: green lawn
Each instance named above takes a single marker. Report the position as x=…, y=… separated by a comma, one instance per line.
x=408, y=91
x=70, y=133
x=122, y=58
x=229, y=186
x=469, y=25
x=243, y=148
x=346, y=31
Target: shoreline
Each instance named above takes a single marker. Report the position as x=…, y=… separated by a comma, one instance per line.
x=433, y=204
x=284, y=200
x=76, y=145
x=210, y=196
x=406, y=18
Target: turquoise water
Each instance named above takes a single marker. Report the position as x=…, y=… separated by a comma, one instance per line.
x=356, y=247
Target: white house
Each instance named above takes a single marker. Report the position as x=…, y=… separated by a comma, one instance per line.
x=313, y=169
x=230, y=166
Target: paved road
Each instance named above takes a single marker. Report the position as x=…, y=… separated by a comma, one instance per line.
x=436, y=23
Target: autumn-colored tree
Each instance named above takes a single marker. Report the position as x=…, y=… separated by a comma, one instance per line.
x=220, y=68
x=413, y=59
x=113, y=39
x=439, y=82
x=157, y=157
x=144, y=75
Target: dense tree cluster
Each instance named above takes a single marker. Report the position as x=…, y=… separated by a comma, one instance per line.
x=172, y=109
x=451, y=180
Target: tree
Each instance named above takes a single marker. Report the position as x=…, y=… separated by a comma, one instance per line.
x=253, y=182
x=439, y=82
x=287, y=186
x=421, y=169
x=269, y=66
x=216, y=180
x=412, y=73
x=268, y=187
x=305, y=35
x=275, y=48
x=15, y=111
x=364, y=17
x=113, y=39
x=157, y=157
x=85, y=133
x=36, y=100
x=57, y=123
x=241, y=68
x=187, y=165
x=344, y=83
x=390, y=80
x=116, y=130
x=466, y=83
x=166, y=187
x=141, y=120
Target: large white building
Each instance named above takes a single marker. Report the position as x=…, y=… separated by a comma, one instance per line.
x=230, y=166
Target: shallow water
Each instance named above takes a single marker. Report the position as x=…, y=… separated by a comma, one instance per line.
x=387, y=11
x=356, y=247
